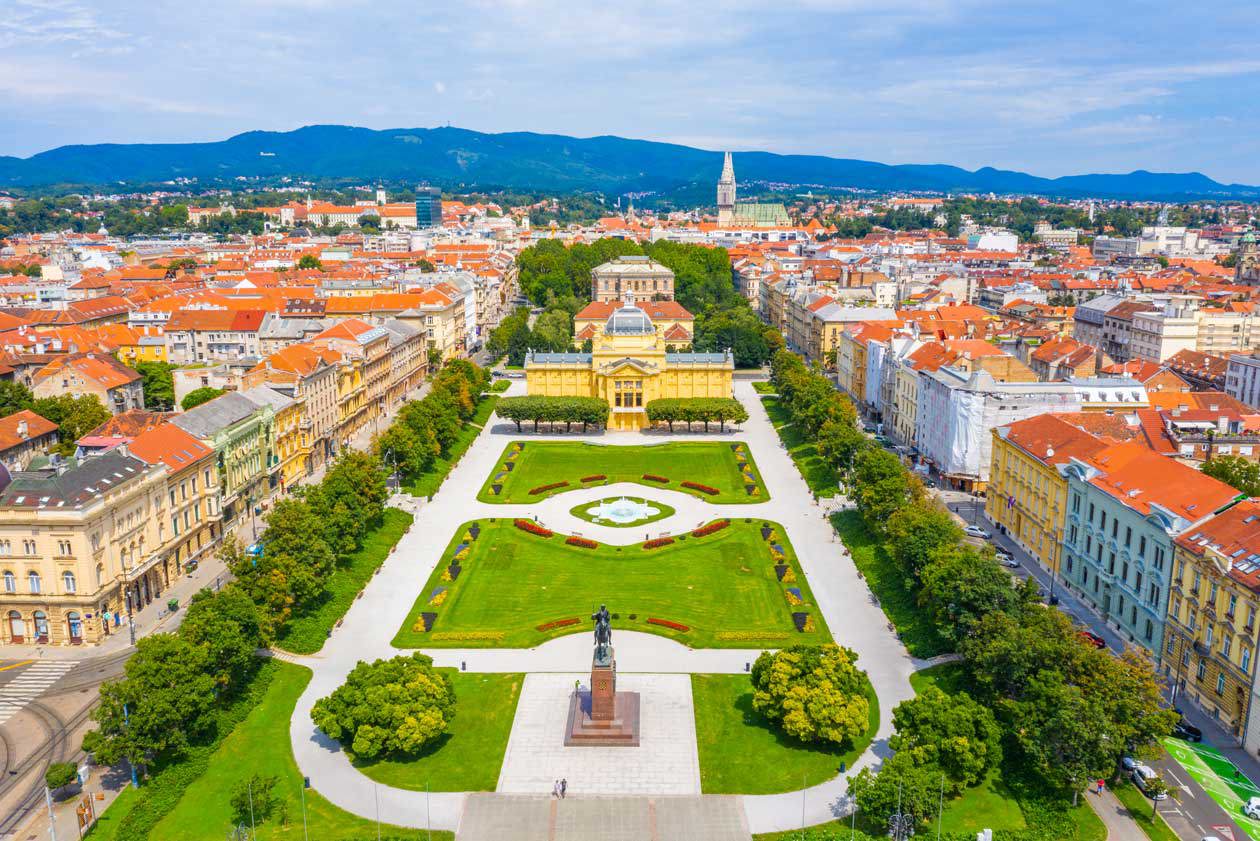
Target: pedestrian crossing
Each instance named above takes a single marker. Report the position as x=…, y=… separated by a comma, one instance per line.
x=29, y=684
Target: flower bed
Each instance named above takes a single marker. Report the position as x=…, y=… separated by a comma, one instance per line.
x=658, y=542
x=711, y=528
x=794, y=597
x=532, y=527
x=652, y=477
x=750, y=636
x=425, y=622
x=542, y=489
x=574, y=540
x=665, y=623
x=598, y=477
x=559, y=623
x=801, y=620
x=704, y=489
x=469, y=636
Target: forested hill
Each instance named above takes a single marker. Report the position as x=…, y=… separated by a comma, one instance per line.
x=454, y=157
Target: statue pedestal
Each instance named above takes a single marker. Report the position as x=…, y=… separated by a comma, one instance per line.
x=603, y=716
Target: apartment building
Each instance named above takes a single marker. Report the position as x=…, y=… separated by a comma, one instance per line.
x=240, y=432
x=199, y=336
x=309, y=375
x=118, y=387
x=192, y=494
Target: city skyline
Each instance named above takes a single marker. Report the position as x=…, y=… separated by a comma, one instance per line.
x=965, y=83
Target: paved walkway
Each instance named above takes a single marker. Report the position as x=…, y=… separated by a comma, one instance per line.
x=841, y=595
x=1120, y=825
x=492, y=817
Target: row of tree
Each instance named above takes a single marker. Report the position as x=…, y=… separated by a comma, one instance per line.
x=821, y=413
x=689, y=410
x=428, y=429
x=588, y=411
x=76, y=415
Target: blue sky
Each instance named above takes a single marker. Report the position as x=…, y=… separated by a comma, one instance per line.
x=1048, y=88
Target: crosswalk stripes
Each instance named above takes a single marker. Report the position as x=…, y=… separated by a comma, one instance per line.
x=29, y=684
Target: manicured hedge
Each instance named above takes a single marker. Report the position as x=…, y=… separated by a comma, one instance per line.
x=582, y=542
x=532, y=527
x=711, y=528
x=542, y=489
x=704, y=489
x=658, y=542
x=665, y=623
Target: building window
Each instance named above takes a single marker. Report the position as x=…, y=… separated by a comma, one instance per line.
x=1202, y=670
x=1128, y=536
x=67, y=581
x=1142, y=545
x=1220, y=684
x=1226, y=644
x=10, y=582
x=63, y=548
x=1150, y=630
x=1246, y=660
x=33, y=580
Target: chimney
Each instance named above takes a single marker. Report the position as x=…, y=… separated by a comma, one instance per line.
x=22, y=430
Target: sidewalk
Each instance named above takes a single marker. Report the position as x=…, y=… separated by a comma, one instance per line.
x=1120, y=825
x=109, y=781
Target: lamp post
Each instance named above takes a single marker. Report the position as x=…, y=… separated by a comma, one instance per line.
x=306, y=783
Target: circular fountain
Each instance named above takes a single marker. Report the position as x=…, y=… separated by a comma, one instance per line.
x=623, y=511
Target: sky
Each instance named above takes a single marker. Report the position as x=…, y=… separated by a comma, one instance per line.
x=1048, y=88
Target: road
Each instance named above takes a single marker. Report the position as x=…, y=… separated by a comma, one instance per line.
x=1193, y=814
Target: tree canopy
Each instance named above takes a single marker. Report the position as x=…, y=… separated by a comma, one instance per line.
x=815, y=693
x=198, y=396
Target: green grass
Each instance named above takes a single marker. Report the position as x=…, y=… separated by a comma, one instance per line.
x=764, y=387
x=722, y=586
x=469, y=756
x=889, y=584
x=662, y=511
x=108, y=822
x=822, y=478
x=307, y=633
x=990, y=804
x=1139, y=807
x=1215, y=773
x=546, y=462
x=950, y=678
x=741, y=752
x=427, y=484
x=500, y=386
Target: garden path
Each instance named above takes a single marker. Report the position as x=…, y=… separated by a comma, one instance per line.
x=854, y=618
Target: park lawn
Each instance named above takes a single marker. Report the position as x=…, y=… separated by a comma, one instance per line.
x=662, y=511
x=741, y=752
x=1139, y=806
x=307, y=633
x=260, y=745
x=722, y=586
x=764, y=387
x=822, y=478
x=469, y=755
x=990, y=804
x=547, y=462
x=888, y=583
x=427, y=483
x=500, y=386
x=950, y=678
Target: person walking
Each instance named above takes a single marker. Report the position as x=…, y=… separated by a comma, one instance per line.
x=564, y=787
x=555, y=789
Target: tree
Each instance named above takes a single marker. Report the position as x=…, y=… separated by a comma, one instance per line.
x=349, y=501
x=401, y=448
x=253, y=799
x=839, y=442
x=1155, y=787
x=310, y=261
x=77, y=416
x=1235, y=471
x=168, y=692
x=881, y=485
x=198, y=396
x=14, y=397
x=815, y=693
x=960, y=586
x=60, y=774
x=295, y=561
x=388, y=707
x=951, y=732
x=917, y=530
x=230, y=627
x=900, y=783
x=158, y=384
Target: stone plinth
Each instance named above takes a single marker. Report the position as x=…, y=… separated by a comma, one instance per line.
x=603, y=716
x=603, y=691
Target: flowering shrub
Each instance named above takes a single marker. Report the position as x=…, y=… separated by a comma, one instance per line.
x=665, y=623
x=439, y=598
x=532, y=527
x=469, y=636
x=715, y=526
x=793, y=597
x=749, y=636
x=657, y=542
x=542, y=489
x=558, y=623
x=573, y=540
x=809, y=624
x=652, y=477
x=598, y=477
x=704, y=489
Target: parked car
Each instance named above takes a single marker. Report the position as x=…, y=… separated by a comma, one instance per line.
x=1093, y=639
x=1143, y=774
x=1185, y=730
x=1252, y=808
x=1006, y=558
x=1128, y=763
x=976, y=531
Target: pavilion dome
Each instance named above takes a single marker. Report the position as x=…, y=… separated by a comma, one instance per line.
x=629, y=320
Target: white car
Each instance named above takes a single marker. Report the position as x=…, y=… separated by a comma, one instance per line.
x=1252, y=808
x=1144, y=773
x=976, y=531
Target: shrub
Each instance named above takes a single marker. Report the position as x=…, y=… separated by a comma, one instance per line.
x=60, y=774
x=598, y=477
x=658, y=542
x=542, y=489
x=665, y=623
x=704, y=489
x=558, y=623
x=532, y=527
x=711, y=528
x=815, y=693
x=582, y=542
x=652, y=477
x=254, y=798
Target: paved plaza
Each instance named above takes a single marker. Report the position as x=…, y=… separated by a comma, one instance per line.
x=665, y=762
x=535, y=756
x=581, y=818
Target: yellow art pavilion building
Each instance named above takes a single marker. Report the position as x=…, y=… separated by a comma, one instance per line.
x=633, y=360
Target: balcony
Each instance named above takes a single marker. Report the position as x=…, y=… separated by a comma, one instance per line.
x=1201, y=649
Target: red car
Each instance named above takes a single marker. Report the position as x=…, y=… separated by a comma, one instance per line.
x=1093, y=639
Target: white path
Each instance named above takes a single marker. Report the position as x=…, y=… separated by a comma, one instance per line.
x=841, y=595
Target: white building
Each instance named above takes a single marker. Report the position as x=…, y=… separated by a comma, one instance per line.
x=1242, y=380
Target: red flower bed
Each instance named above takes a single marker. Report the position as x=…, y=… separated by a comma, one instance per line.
x=715, y=526
x=658, y=542
x=652, y=477
x=533, y=528
x=542, y=489
x=559, y=623
x=582, y=541
x=704, y=489
x=598, y=477
x=665, y=623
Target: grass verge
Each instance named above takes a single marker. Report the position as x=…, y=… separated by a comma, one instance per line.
x=1140, y=810
x=822, y=478
x=427, y=484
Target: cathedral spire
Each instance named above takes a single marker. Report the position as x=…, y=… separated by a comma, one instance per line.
x=726, y=192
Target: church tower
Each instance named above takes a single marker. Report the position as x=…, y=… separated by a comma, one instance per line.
x=726, y=192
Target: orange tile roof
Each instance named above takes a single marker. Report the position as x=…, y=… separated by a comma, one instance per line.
x=36, y=426
x=170, y=445
x=1053, y=439
x=668, y=310
x=1139, y=478
x=1233, y=534
x=99, y=368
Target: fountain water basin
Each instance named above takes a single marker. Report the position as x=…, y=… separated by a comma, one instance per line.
x=623, y=511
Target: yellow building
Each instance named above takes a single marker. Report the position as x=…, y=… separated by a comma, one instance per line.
x=1027, y=493
x=630, y=362
x=134, y=344
x=1211, y=636
x=291, y=444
